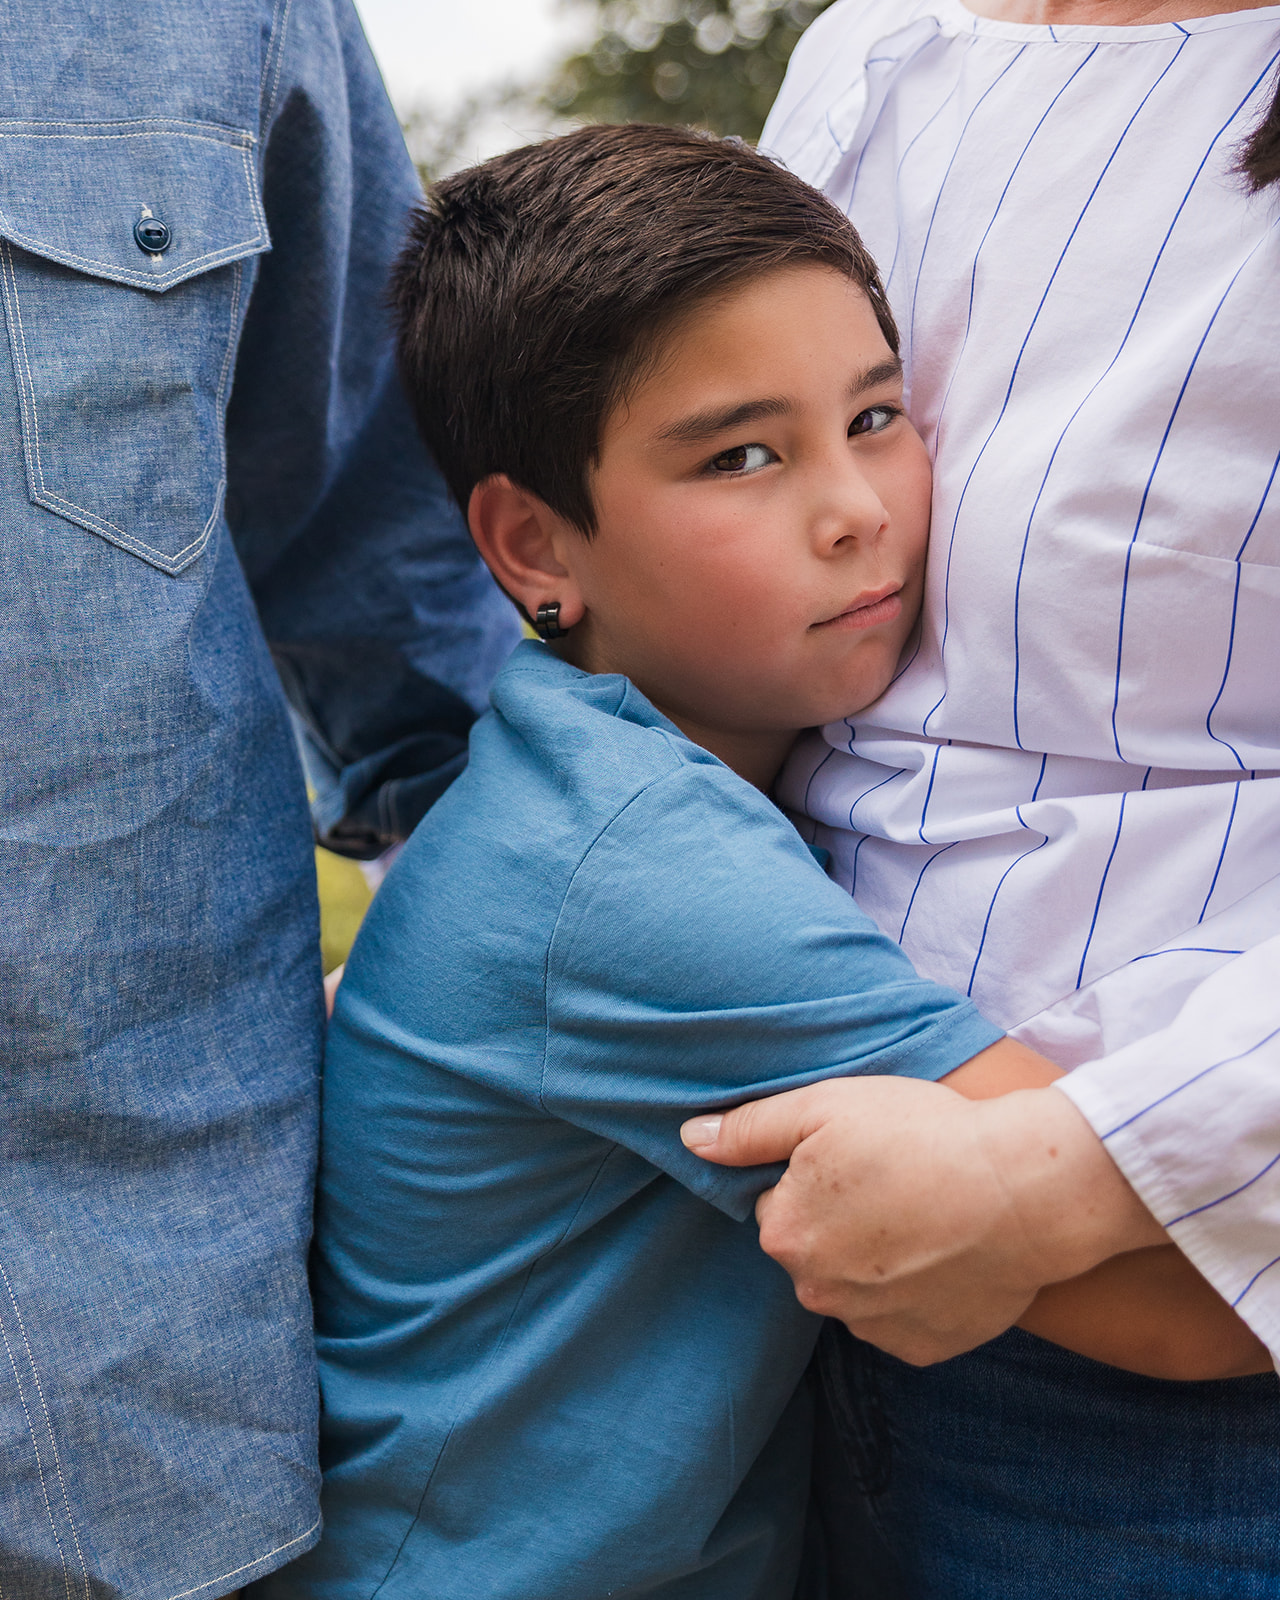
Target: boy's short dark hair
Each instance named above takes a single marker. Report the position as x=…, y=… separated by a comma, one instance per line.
x=534, y=286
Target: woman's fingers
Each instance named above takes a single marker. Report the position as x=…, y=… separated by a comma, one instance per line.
x=762, y=1130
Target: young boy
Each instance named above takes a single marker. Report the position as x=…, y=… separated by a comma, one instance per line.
x=660, y=374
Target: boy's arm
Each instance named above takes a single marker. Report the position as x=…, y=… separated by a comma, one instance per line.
x=1147, y=1311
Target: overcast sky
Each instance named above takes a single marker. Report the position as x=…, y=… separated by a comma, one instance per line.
x=433, y=52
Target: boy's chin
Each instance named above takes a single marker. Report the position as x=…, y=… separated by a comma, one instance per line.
x=844, y=708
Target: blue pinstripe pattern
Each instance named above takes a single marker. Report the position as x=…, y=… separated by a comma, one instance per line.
x=1274, y=1262
x=808, y=786
x=1013, y=378
x=778, y=135
x=1180, y=266
x=982, y=942
x=915, y=651
x=986, y=921
x=1035, y=505
x=1235, y=608
x=895, y=774
x=1222, y=853
x=977, y=255
x=1188, y=950
x=1204, y=1072
x=973, y=279
x=1155, y=467
x=862, y=154
x=1097, y=905
x=928, y=795
x=902, y=931
x=1159, y=256
x=911, y=144
x=1222, y=1198
x=1253, y=89
x=853, y=878
x=857, y=171
x=933, y=215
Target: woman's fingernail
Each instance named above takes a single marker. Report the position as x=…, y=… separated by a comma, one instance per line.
x=700, y=1132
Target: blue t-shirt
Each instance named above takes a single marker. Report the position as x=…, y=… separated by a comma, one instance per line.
x=555, y=1363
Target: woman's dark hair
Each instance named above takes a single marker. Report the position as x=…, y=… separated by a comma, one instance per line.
x=535, y=287
x=1260, y=154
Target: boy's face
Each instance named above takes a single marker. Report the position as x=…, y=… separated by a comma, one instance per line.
x=763, y=510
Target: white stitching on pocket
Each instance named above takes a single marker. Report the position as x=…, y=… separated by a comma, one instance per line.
x=255, y=198
x=52, y=501
x=177, y=125
x=26, y=398
x=242, y=141
x=138, y=279
x=134, y=280
x=35, y=1445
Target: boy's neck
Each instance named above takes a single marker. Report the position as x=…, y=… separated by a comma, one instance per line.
x=757, y=757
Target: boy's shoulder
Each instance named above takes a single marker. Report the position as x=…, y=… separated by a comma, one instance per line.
x=576, y=785
x=585, y=742
x=560, y=755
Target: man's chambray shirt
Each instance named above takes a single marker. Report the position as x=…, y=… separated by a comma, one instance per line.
x=198, y=206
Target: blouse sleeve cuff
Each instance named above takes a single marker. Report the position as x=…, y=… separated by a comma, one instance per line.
x=1191, y=1116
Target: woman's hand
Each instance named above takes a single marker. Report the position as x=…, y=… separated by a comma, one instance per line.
x=925, y=1221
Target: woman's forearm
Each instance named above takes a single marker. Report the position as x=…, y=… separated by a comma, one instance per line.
x=1148, y=1311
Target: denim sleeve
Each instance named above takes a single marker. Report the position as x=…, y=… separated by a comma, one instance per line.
x=384, y=625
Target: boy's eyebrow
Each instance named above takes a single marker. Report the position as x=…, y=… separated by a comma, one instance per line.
x=882, y=372
x=719, y=419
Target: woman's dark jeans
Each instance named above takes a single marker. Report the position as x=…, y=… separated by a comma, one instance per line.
x=1022, y=1472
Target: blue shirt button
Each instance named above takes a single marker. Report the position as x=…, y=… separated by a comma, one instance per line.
x=152, y=235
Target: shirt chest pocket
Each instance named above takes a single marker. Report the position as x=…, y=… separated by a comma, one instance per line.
x=122, y=250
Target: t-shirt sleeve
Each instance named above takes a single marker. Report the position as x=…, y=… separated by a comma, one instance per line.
x=702, y=958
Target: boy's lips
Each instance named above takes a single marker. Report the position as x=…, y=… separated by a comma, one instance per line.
x=868, y=610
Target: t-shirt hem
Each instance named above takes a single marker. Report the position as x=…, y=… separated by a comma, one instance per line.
x=956, y=1039
x=951, y=1042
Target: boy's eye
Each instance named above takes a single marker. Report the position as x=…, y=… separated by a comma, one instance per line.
x=742, y=459
x=873, y=420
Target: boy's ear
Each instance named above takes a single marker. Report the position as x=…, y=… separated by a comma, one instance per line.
x=526, y=545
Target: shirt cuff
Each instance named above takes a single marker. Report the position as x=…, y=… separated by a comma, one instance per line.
x=1191, y=1116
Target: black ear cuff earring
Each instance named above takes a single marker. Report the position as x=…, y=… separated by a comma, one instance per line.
x=547, y=622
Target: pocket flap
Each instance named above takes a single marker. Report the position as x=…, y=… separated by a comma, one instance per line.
x=73, y=192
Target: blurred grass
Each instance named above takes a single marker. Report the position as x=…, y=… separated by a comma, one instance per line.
x=344, y=899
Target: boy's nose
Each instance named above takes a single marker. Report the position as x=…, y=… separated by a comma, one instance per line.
x=848, y=508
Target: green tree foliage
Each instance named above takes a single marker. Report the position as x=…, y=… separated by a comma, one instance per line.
x=716, y=64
